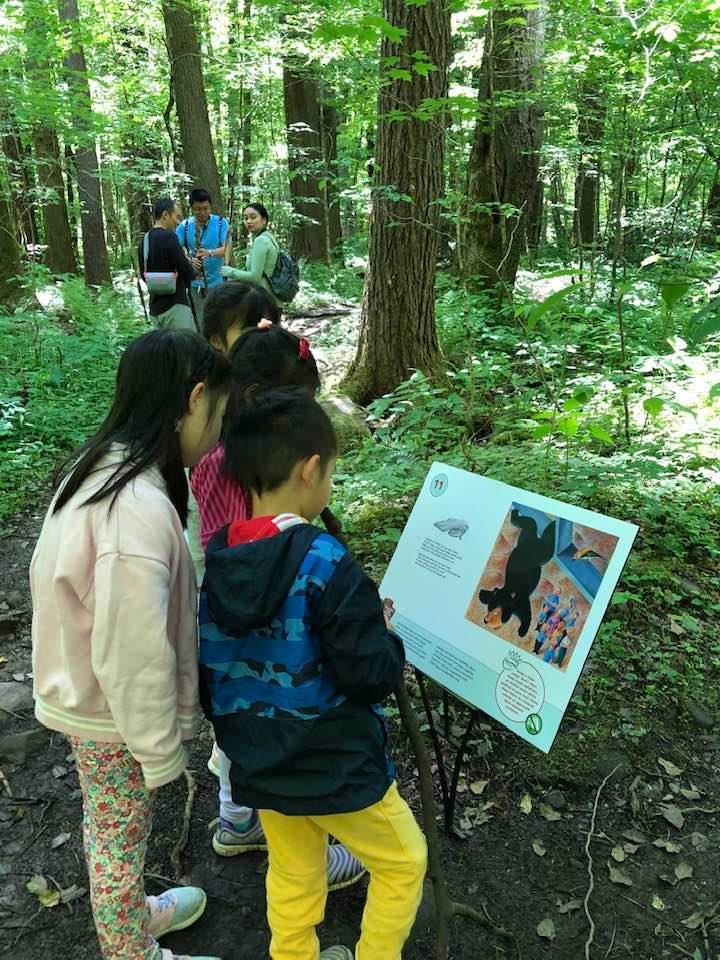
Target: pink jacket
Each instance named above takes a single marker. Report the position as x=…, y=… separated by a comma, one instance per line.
x=115, y=624
x=219, y=499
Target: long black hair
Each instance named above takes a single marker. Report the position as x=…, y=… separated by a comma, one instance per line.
x=156, y=375
x=236, y=302
x=266, y=359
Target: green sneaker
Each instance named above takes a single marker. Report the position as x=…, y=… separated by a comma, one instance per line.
x=175, y=909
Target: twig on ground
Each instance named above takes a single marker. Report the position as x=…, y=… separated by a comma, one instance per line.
x=179, y=848
x=591, y=875
x=654, y=915
x=612, y=939
x=35, y=836
x=709, y=810
x=5, y=783
x=161, y=878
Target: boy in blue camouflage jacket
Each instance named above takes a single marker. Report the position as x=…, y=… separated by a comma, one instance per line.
x=295, y=656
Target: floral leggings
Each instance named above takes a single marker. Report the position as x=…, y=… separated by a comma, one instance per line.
x=116, y=824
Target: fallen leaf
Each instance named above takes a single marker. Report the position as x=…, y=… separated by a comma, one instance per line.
x=3, y=660
x=617, y=853
x=59, y=840
x=672, y=814
x=38, y=886
x=696, y=920
x=462, y=787
x=478, y=787
x=669, y=767
x=676, y=628
x=690, y=794
x=668, y=845
x=618, y=876
x=59, y=771
x=18, y=677
x=697, y=954
x=549, y=812
x=72, y=893
x=526, y=804
x=568, y=907
x=657, y=903
x=631, y=848
x=546, y=928
x=635, y=836
x=699, y=841
x=683, y=870
x=539, y=848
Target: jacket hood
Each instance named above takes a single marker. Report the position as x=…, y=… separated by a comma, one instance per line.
x=247, y=584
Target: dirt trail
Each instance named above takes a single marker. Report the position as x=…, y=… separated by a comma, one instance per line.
x=525, y=867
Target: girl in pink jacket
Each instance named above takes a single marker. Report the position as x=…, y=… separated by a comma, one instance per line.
x=114, y=623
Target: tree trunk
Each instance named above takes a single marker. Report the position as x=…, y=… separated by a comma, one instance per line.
x=10, y=262
x=20, y=179
x=330, y=124
x=633, y=231
x=191, y=99
x=60, y=255
x=70, y=179
x=505, y=156
x=535, y=217
x=397, y=331
x=305, y=160
x=115, y=230
x=591, y=121
x=712, y=211
x=95, y=258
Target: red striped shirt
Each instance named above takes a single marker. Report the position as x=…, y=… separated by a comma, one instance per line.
x=219, y=499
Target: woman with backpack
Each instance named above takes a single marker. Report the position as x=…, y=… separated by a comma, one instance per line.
x=263, y=257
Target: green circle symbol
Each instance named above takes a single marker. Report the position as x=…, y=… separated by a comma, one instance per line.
x=533, y=724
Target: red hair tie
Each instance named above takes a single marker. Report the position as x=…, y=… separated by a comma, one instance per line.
x=304, y=349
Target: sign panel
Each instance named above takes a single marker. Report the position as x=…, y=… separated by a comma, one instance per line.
x=498, y=594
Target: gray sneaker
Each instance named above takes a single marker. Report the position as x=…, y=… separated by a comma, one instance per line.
x=337, y=953
x=229, y=842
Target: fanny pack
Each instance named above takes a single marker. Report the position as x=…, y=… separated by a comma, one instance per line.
x=157, y=282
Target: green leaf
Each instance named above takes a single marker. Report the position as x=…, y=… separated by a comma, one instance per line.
x=714, y=391
x=549, y=305
x=599, y=434
x=653, y=405
x=672, y=291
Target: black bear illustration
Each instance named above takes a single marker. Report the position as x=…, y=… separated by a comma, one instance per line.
x=522, y=573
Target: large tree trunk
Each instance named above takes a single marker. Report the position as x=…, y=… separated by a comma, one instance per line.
x=191, y=99
x=10, y=262
x=330, y=123
x=505, y=156
x=95, y=258
x=305, y=159
x=21, y=179
x=397, y=331
x=591, y=119
x=60, y=255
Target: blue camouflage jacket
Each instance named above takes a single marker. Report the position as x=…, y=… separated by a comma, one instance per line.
x=294, y=660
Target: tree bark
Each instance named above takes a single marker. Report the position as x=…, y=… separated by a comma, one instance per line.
x=95, y=258
x=591, y=122
x=10, y=261
x=505, y=155
x=60, y=255
x=397, y=330
x=20, y=178
x=330, y=124
x=239, y=109
x=305, y=159
x=191, y=99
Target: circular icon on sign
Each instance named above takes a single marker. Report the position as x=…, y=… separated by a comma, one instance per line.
x=438, y=485
x=533, y=723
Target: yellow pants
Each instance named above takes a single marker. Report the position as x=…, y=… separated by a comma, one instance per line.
x=384, y=837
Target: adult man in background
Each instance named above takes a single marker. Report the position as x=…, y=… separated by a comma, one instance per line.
x=166, y=256
x=205, y=236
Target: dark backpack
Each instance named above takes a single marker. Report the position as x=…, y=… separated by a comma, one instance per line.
x=285, y=279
